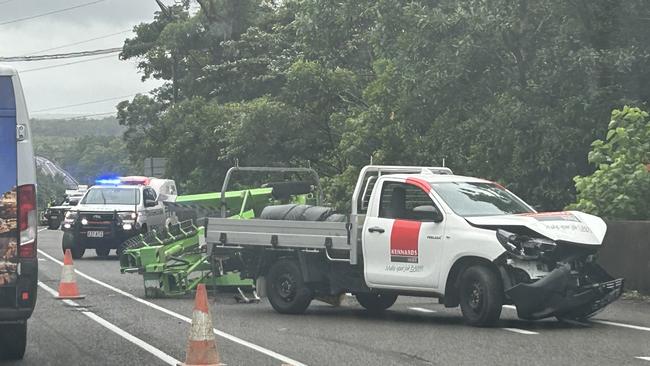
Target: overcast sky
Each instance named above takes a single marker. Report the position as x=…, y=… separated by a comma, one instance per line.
x=77, y=83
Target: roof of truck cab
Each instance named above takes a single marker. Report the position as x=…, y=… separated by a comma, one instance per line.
x=7, y=70
x=440, y=178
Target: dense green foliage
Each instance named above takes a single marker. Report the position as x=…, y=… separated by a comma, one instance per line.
x=513, y=91
x=76, y=127
x=50, y=190
x=620, y=187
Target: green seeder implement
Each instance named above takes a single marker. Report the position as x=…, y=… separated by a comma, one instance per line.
x=173, y=260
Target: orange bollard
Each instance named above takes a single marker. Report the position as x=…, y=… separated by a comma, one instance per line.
x=68, y=286
x=201, y=348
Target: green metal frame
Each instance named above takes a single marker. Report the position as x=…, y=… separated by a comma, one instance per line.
x=172, y=261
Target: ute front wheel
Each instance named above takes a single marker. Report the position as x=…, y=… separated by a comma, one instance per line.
x=13, y=340
x=481, y=296
x=286, y=289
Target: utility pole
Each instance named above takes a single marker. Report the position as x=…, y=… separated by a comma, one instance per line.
x=168, y=14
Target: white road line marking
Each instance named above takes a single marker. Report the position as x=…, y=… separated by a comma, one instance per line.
x=423, y=310
x=39, y=230
x=520, y=331
x=113, y=328
x=510, y=307
x=222, y=334
x=644, y=358
x=621, y=325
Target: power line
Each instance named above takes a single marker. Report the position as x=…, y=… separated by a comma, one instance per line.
x=80, y=42
x=61, y=55
x=6, y=1
x=83, y=103
x=94, y=115
x=65, y=64
x=51, y=12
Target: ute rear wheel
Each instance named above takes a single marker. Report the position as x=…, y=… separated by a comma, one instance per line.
x=70, y=242
x=13, y=338
x=481, y=296
x=376, y=303
x=286, y=289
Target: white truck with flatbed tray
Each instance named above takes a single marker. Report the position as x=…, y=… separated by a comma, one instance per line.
x=422, y=231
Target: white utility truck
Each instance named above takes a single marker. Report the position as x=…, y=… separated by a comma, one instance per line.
x=422, y=231
x=115, y=210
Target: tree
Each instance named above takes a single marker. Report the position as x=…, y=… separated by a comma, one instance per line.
x=506, y=90
x=50, y=189
x=620, y=187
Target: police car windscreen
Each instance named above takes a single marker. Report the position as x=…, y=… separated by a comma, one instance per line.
x=112, y=196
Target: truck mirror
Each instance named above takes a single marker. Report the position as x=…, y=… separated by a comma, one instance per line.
x=150, y=203
x=427, y=213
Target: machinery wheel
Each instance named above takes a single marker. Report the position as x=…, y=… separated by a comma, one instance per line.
x=54, y=225
x=13, y=338
x=69, y=242
x=376, y=303
x=102, y=252
x=481, y=296
x=286, y=289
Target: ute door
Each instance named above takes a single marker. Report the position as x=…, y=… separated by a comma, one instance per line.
x=403, y=237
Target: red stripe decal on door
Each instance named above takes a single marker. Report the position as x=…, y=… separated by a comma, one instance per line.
x=404, y=241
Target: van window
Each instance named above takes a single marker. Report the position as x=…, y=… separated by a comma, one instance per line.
x=8, y=164
x=7, y=97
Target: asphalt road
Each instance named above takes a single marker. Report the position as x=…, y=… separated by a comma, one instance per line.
x=116, y=325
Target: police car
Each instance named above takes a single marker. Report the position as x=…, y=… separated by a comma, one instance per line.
x=115, y=210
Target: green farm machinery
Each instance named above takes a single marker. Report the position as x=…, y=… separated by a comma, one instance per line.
x=174, y=260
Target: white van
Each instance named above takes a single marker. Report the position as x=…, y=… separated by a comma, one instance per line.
x=18, y=218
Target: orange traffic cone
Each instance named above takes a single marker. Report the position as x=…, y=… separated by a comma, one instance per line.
x=201, y=348
x=68, y=285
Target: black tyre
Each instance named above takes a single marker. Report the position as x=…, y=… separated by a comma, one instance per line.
x=53, y=225
x=286, y=289
x=376, y=303
x=102, y=252
x=481, y=296
x=70, y=242
x=13, y=340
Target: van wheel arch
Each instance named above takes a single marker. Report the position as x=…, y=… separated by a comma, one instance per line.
x=452, y=294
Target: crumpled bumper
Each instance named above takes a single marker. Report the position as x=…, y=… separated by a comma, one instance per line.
x=558, y=294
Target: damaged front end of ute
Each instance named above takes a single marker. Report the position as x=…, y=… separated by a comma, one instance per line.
x=546, y=278
x=549, y=266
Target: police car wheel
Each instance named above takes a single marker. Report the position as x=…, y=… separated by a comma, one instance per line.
x=102, y=252
x=70, y=242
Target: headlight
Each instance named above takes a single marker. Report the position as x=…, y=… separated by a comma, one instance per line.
x=84, y=221
x=127, y=216
x=71, y=215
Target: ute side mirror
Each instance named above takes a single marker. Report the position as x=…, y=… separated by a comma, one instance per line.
x=428, y=213
x=150, y=203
